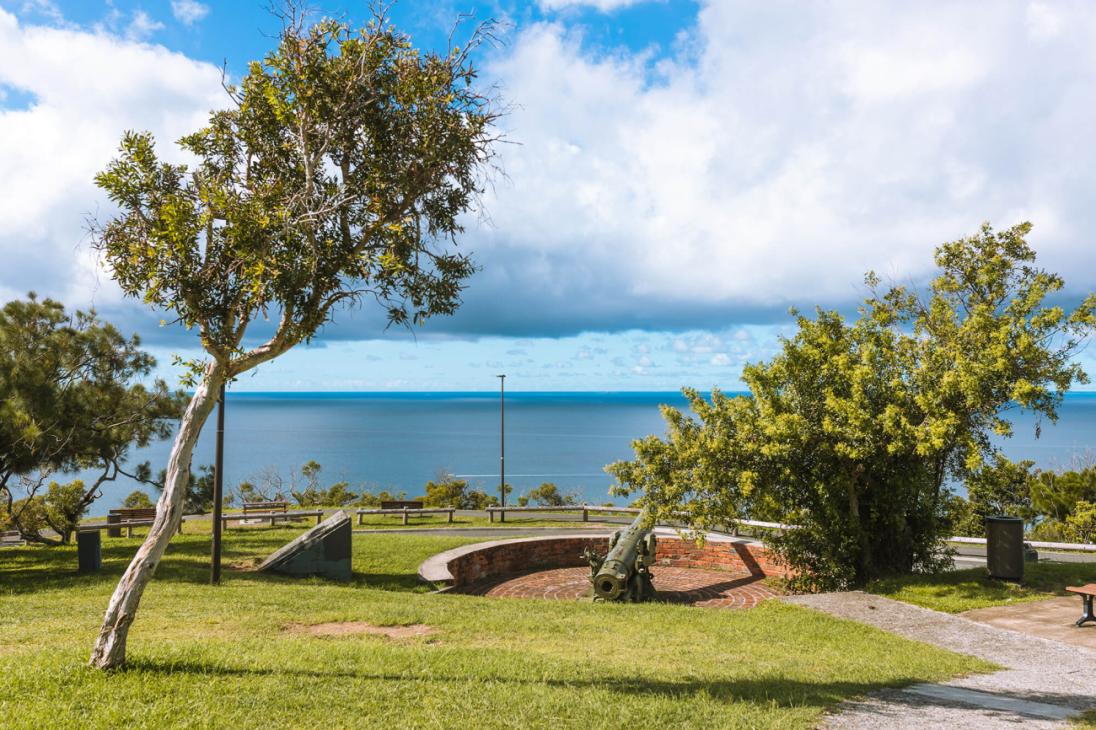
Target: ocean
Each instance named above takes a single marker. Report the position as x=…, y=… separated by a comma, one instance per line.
x=398, y=441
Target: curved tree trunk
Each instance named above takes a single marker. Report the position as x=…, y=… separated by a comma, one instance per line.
x=110, y=647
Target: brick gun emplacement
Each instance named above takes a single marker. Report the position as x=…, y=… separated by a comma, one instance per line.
x=624, y=573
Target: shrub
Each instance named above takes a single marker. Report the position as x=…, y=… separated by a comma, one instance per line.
x=136, y=500
x=548, y=495
x=451, y=492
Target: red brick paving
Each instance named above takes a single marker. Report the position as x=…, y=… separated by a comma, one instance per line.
x=710, y=588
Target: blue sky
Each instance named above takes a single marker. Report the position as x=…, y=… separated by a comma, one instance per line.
x=685, y=171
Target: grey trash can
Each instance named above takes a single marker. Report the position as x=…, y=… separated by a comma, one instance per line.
x=89, y=551
x=1005, y=547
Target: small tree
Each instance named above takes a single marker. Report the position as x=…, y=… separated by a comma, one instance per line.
x=339, y=175
x=1000, y=487
x=1081, y=523
x=1055, y=495
x=69, y=400
x=548, y=495
x=136, y=500
x=451, y=492
x=311, y=495
x=854, y=430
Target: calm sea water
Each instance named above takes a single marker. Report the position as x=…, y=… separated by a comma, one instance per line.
x=398, y=441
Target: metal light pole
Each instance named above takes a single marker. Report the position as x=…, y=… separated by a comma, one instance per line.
x=502, y=444
x=218, y=490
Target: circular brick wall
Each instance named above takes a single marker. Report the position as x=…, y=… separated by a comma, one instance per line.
x=466, y=565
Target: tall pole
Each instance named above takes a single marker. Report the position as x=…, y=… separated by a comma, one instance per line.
x=502, y=444
x=218, y=490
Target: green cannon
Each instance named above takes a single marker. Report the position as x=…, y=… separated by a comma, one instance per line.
x=624, y=573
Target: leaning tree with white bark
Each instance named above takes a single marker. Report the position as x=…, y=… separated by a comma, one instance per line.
x=338, y=174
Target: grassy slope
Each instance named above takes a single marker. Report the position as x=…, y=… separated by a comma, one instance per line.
x=963, y=590
x=205, y=656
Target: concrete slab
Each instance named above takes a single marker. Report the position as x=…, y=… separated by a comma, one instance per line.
x=324, y=550
x=992, y=701
x=1051, y=619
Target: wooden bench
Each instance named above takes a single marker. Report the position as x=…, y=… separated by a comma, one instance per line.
x=265, y=507
x=1086, y=592
x=127, y=517
x=402, y=504
x=11, y=538
x=130, y=514
x=405, y=511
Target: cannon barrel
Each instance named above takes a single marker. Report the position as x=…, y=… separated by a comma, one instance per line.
x=623, y=574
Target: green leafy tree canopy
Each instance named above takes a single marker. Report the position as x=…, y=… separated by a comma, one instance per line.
x=855, y=429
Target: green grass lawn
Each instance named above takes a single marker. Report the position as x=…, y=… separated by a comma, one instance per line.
x=963, y=590
x=222, y=657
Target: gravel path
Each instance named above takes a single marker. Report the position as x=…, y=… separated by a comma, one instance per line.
x=1043, y=684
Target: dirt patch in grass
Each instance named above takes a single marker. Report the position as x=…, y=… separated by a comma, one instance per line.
x=353, y=628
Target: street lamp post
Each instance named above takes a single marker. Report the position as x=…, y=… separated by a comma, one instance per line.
x=502, y=445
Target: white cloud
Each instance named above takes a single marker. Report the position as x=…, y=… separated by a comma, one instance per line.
x=86, y=89
x=142, y=26
x=188, y=12
x=799, y=147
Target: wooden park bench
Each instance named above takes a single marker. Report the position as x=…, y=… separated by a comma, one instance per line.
x=1086, y=592
x=11, y=538
x=130, y=517
x=265, y=507
x=402, y=504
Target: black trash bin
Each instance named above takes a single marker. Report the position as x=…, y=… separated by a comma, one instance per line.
x=1005, y=547
x=89, y=550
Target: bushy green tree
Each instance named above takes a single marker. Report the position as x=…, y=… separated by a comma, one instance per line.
x=371, y=499
x=340, y=173
x=137, y=500
x=70, y=399
x=58, y=509
x=1081, y=522
x=855, y=429
x=451, y=492
x=1056, y=494
x=548, y=495
x=339, y=495
x=1000, y=487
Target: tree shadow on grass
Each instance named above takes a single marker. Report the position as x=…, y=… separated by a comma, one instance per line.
x=765, y=689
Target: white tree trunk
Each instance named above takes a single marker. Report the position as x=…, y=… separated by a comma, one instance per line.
x=110, y=647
